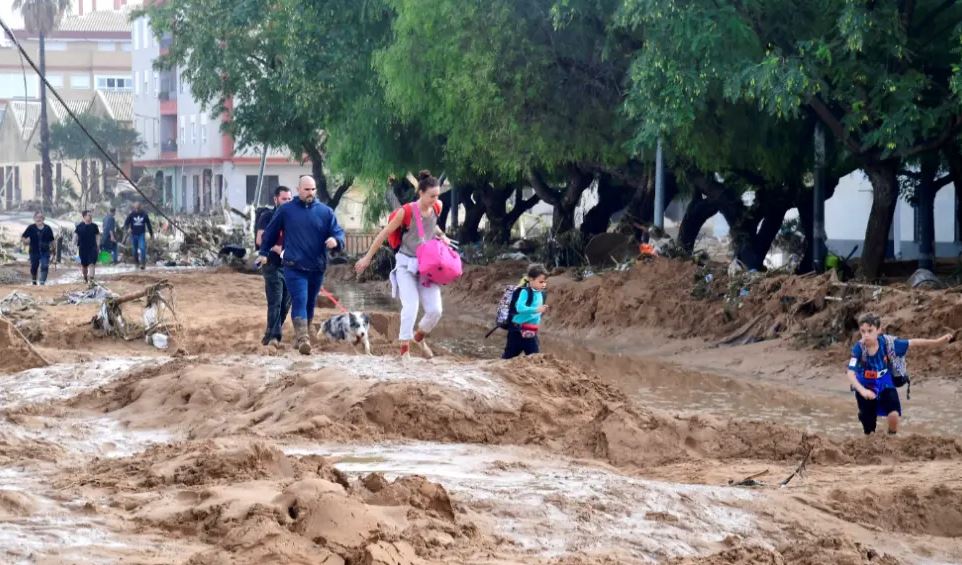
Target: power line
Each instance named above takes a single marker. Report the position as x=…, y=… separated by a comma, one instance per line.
x=108, y=157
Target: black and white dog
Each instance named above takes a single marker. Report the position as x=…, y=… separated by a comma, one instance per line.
x=350, y=326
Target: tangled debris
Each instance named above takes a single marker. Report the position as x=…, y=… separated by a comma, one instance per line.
x=159, y=317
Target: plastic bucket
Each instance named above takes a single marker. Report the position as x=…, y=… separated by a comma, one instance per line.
x=104, y=258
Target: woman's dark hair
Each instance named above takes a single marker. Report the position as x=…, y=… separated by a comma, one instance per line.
x=870, y=319
x=535, y=270
x=426, y=181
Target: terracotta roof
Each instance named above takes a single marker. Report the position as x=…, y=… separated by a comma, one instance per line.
x=98, y=21
x=119, y=104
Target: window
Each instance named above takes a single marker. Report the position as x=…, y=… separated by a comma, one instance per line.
x=80, y=82
x=156, y=82
x=55, y=80
x=114, y=83
x=55, y=45
x=146, y=82
x=137, y=83
x=267, y=188
x=135, y=34
x=193, y=129
x=183, y=135
x=106, y=46
x=203, y=129
x=156, y=133
x=11, y=86
x=125, y=46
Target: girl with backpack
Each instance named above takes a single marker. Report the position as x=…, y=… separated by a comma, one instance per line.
x=405, y=278
x=527, y=310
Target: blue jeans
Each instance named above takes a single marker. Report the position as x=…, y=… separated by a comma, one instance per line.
x=39, y=261
x=278, y=300
x=139, y=243
x=304, y=287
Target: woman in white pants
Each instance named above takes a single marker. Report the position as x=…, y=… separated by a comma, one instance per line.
x=404, y=278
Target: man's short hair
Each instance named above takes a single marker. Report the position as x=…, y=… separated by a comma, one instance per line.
x=85, y=212
x=280, y=189
x=112, y=210
x=37, y=214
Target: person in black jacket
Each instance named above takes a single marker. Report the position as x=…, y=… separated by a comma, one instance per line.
x=138, y=222
x=278, y=299
x=87, y=234
x=40, y=238
x=310, y=229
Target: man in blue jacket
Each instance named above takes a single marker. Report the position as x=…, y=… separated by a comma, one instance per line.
x=310, y=229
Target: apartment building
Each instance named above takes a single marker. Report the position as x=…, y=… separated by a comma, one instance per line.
x=197, y=164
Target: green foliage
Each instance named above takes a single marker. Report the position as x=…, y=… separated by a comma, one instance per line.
x=508, y=85
x=41, y=15
x=70, y=142
x=876, y=73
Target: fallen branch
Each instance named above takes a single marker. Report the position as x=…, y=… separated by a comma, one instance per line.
x=798, y=470
x=749, y=481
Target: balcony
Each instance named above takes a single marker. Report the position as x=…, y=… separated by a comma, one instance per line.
x=168, y=103
x=164, y=44
x=168, y=149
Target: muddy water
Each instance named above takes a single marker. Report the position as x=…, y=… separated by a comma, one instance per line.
x=35, y=520
x=549, y=506
x=824, y=406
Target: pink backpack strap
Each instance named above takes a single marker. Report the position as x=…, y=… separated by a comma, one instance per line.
x=416, y=210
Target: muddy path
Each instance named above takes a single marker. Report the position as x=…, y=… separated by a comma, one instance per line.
x=215, y=452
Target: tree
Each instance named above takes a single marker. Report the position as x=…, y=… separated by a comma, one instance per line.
x=289, y=72
x=68, y=141
x=42, y=17
x=879, y=75
x=536, y=94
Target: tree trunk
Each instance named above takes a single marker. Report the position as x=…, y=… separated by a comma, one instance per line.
x=46, y=169
x=925, y=208
x=317, y=171
x=954, y=159
x=697, y=213
x=474, y=212
x=563, y=202
x=771, y=224
x=885, y=192
x=612, y=197
x=445, y=210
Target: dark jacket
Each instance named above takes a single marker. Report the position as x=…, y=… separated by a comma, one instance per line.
x=138, y=222
x=306, y=228
x=110, y=224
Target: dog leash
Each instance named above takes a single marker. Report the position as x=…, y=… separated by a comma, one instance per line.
x=330, y=297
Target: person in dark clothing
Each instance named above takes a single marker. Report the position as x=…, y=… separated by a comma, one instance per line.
x=108, y=239
x=87, y=233
x=278, y=299
x=138, y=222
x=40, y=238
x=310, y=229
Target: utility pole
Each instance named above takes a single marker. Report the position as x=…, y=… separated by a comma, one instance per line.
x=659, y=187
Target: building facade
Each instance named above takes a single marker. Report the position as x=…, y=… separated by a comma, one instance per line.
x=198, y=166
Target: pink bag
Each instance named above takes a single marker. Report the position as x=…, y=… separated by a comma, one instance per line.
x=437, y=263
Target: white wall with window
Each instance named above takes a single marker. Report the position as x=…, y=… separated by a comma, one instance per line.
x=193, y=129
x=120, y=83
x=55, y=80
x=182, y=139
x=203, y=129
x=106, y=46
x=12, y=85
x=79, y=82
x=55, y=45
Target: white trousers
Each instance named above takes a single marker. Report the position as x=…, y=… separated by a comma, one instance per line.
x=406, y=286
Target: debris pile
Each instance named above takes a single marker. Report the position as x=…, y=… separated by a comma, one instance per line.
x=159, y=317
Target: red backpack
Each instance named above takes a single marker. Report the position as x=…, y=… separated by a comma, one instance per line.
x=394, y=238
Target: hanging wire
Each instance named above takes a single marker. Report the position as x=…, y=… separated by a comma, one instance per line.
x=70, y=112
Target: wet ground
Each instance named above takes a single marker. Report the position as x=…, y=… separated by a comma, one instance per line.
x=543, y=504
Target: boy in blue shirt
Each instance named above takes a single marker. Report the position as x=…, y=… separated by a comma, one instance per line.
x=523, y=333
x=870, y=375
